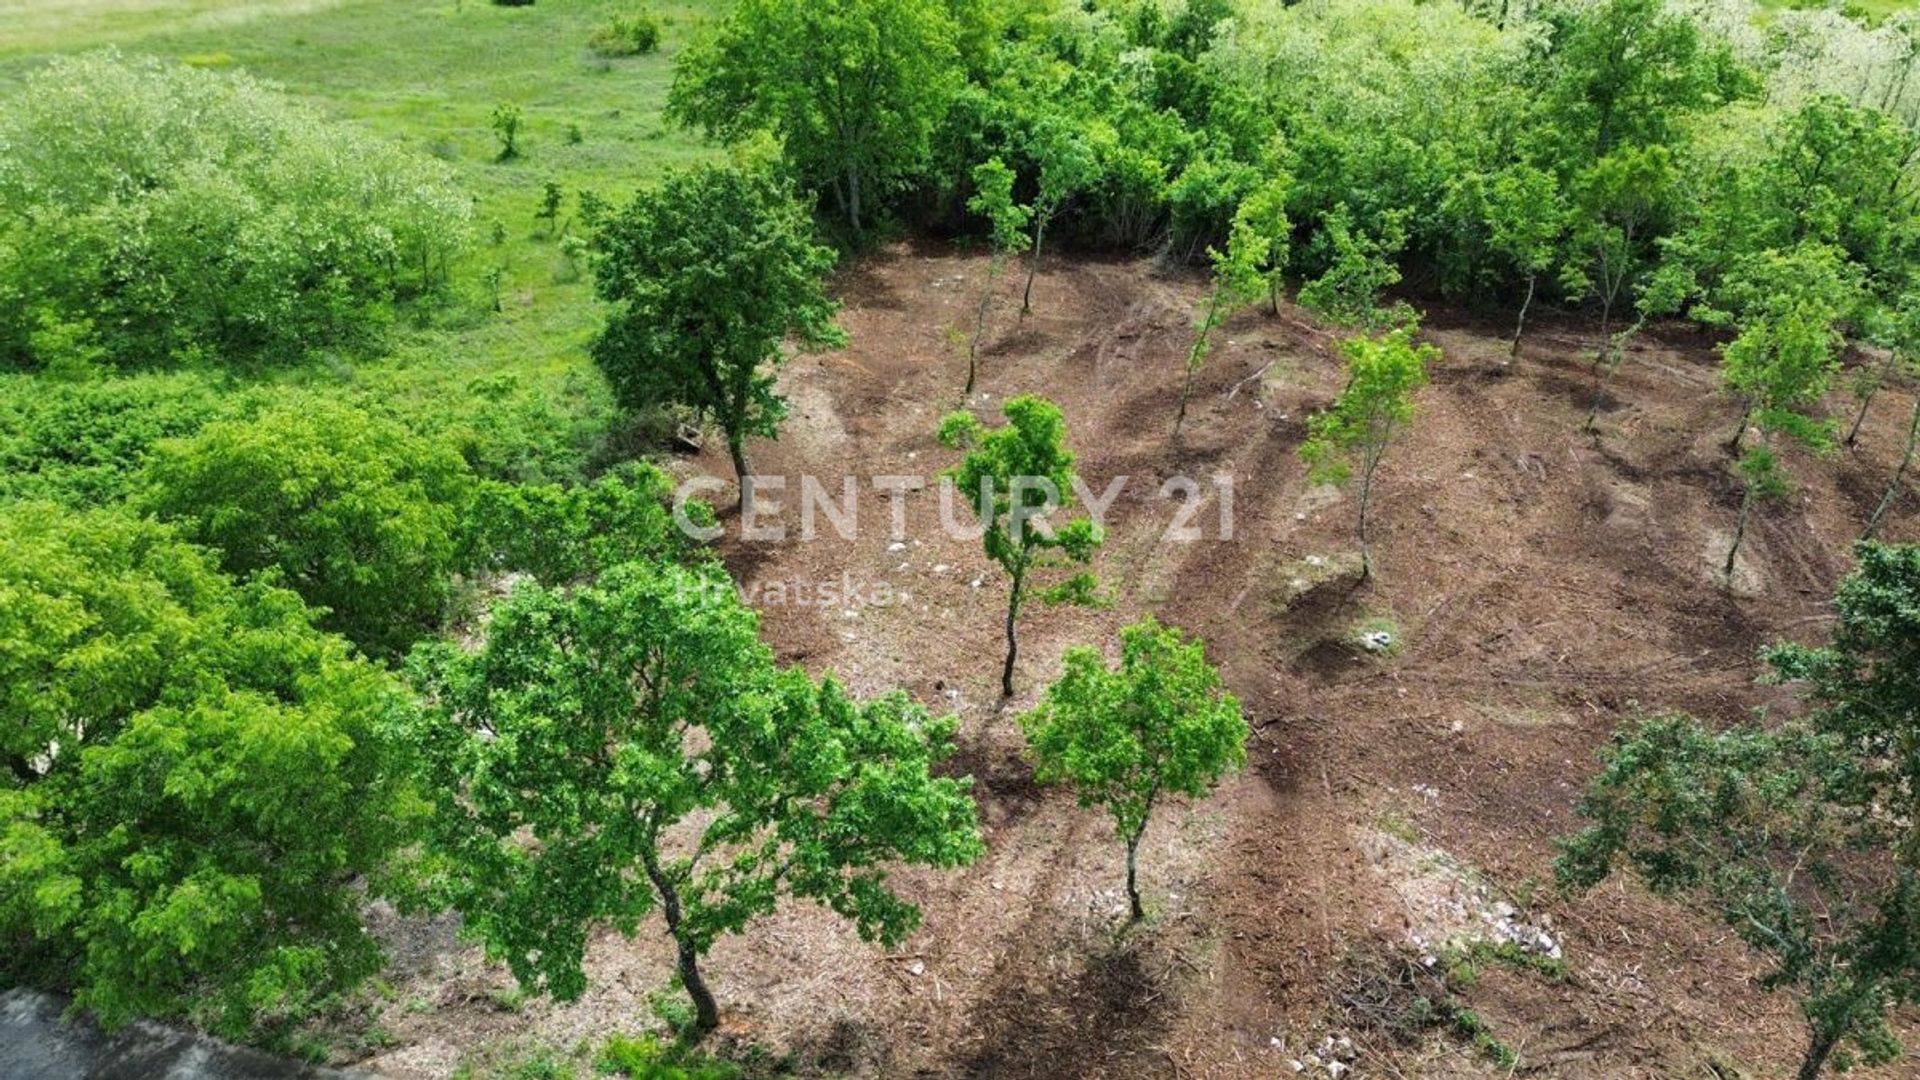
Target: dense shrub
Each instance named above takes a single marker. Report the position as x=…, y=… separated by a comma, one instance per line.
x=626, y=35
x=199, y=785
x=83, y=443
x=355, y=513
x=151, y=214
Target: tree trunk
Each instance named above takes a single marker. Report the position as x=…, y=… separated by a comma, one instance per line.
x=853, y=198
x=706, y=1012
x=1033, y=264
x=1859, y=421
x=1740, y=433
x=1817, y=1053
x=1520, y=327
x=1899, y=476
x=1186, y=389
x=980, y=320
x=1739, y=533
x=1138, y=912
x=739, y=455
x=1366, y=501
x=1013, y=641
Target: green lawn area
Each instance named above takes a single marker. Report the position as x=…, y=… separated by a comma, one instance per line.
x=429, y=75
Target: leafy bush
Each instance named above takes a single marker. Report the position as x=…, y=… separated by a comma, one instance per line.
x=563, y=535
x=626, y=35
x=355, y=513
x=152, y=213
x=199, y=785
x=83, y=443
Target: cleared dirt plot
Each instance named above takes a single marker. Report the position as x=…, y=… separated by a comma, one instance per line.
x=1538, y=582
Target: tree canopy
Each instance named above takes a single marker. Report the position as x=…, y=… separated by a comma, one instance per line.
x=1160, y=725
x=1801, y=836
x=710, y=271
x=854, y=90
x=154, y=213
x=200, y=787
x=355, y=513
x=629, y=747
x=1014, y=478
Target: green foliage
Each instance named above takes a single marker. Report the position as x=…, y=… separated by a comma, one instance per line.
x=200, y=787
x=82, y=443
x=1015, y=478
x=1238, y=280
x=1383, y=373
x=505, y=121
x=152, y=214
x=563, y=535
x=1006, y=233
x=355, y=513
x=853, y=89
x=1161, y=724
x=1359, y=267
x=1784, y=357
x=647, y=1058
x=634, y=34
x=711, y=271
x=1799, y=836
x=630, y=746
x=993, y=200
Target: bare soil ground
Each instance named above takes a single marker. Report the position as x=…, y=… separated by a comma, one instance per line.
x=1541, y=584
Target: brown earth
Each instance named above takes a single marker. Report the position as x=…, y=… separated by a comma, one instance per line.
x=1541, y=583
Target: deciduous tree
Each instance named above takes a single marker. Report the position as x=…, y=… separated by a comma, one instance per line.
x=1237, y=282
x=629, y=747
x=1383, y=373
x=710, y=271
x=353, y=512
x=1014, y=478
x=201, y=790
x=852, y=88
x=1799, y=836
x=1161, y=724
x=1006, y=235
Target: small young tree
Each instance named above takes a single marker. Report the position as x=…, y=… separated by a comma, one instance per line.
x=1782, y=361
x=1616, y=203
x=506, y=128
x=1525, y=220
x=1263, y=213
x=1780, y=366
x=1059, y=146
x=711, y=271
x=551, y=195
x=1237, y=282
x=1800, y=837
x=1006, y=235
x=630, y=747
x=1359, y=268
x=1015, y=477
x=1662, y=293
x=1382, y=375
x=1161, y=724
